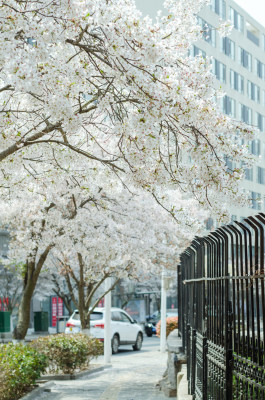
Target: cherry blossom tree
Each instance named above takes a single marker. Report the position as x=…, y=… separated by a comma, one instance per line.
x=97, y=104
x=97, y=78
x=93, y=232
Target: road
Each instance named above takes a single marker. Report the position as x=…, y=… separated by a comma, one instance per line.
x=133, y=376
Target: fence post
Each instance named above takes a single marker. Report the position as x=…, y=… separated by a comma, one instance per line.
x=229, y=354
x=205, y=369
x=193, y=361
x=188, y=339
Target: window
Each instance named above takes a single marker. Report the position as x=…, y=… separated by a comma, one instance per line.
x=259, y=69
x=253, y=91
x=248, y=172
x=229, y=164
x=198, y=52
x=260, y=122
x=219, y=7
x=252, y=33
x=116, y=316
x=229, y=106
x=219, y=70
x=263, y=149
x=208, y=32
x=245, y=59
x=124, y=318
x=263, y=98
x=236, y=81
x=236, y=19
x=256, y=198
x=228, y=47
x=94, y=316
x=255, y=147
x=4, y=239
x=261, y=175
x=209, y=224
x=76, y=316
x=245, y=114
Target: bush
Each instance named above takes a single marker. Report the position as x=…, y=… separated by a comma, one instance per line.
x=171, y=324
x=20, y=366
x=67, y=353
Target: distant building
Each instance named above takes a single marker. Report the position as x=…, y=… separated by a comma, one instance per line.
x=239, y=65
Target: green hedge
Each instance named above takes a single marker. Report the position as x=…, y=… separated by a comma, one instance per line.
x=67, y=353
x=20, y=366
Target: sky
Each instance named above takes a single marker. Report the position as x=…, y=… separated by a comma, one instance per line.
x=150, y=7
x=256, y=8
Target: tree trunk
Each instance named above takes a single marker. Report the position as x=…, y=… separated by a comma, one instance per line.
x=20, y=330
x=81, y=308
x=33, y=269
x=85, y=325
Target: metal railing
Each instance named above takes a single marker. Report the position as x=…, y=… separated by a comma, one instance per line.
x=222, y=312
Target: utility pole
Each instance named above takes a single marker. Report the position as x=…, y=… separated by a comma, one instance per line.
x=107, y=327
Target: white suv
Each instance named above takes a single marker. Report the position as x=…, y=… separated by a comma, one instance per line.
x=124, y=330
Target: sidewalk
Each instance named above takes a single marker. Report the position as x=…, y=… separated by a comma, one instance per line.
x=133, y=376
x=7, y=338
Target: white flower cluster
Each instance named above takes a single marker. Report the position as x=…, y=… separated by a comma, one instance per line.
x=101, y=111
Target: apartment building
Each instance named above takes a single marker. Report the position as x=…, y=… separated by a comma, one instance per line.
x=239, y=65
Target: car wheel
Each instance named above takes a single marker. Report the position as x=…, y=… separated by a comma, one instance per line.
x=139, y=341
x=115, y=344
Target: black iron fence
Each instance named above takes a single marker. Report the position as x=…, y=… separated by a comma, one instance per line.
x=222, y=312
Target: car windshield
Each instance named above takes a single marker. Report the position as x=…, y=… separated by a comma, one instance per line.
x=94, y=316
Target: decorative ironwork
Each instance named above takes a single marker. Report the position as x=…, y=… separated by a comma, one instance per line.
x=222, y=312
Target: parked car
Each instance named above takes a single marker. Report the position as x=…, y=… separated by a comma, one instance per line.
x=150, y=325
x=124, y=330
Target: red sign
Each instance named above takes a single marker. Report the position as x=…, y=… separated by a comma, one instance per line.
x=54, y=311
x=60, y=307
x=57, y=309
x=4, y=304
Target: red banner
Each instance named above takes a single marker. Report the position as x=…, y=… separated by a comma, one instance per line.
x=60, y=307
x=54, y=311
x=4, y=304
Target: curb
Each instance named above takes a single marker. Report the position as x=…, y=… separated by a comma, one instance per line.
x=68, y=377
x=37, y=391
x=45, y=387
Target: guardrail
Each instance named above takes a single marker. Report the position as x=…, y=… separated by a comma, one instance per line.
x=222, y=312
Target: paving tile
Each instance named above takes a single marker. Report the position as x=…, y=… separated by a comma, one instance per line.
x=133, y=376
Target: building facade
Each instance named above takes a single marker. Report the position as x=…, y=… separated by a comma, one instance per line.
x=238, y=61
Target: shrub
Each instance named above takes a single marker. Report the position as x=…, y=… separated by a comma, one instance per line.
x=20, y=366
x=67, y=353
x=171, y=324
